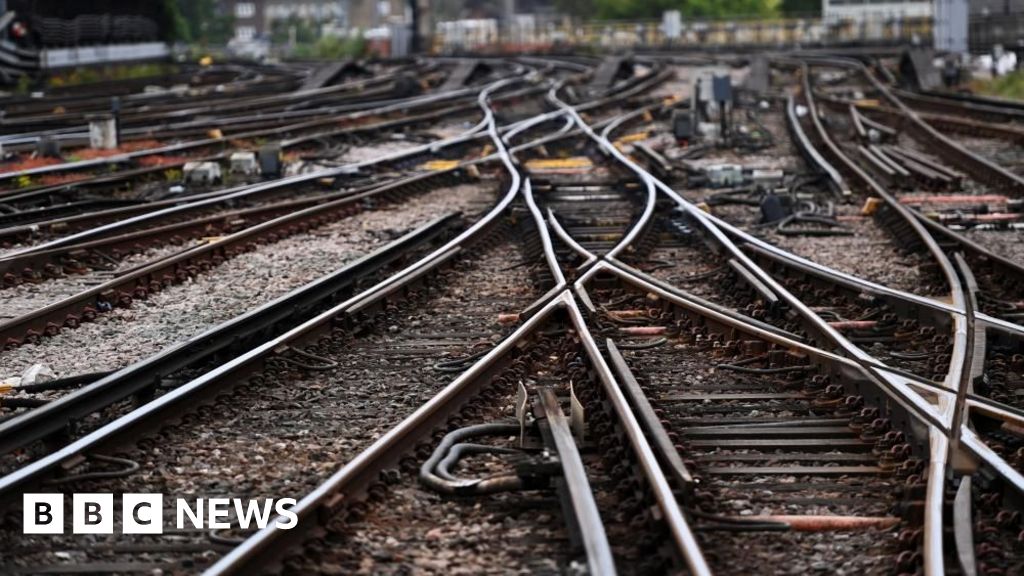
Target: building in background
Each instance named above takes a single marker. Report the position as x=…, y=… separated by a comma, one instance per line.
x=255, y=19
x=874, y=11
x=366, y=14
x=996, y=23
x=249, y=17
x=996, y=7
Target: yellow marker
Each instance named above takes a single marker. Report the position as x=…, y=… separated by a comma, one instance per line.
x=215, y=133
x=871, y=206
x=634, y=137
x=571, y=163
x=206, y=61
x=439, y=165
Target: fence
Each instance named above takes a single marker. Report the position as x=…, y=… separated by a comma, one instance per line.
x=984, y=32
x=535, y=33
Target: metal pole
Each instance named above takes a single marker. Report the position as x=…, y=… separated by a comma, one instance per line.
x=115, y=109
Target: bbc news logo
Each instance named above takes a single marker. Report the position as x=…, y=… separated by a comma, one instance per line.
x=144, y=513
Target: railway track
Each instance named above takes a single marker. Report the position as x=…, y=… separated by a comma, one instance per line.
x=976, y=275
x=597, y=374
x=454, y=317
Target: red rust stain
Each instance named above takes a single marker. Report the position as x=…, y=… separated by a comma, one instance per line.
x=27, y=163
x=54, y=179
x=161, y=160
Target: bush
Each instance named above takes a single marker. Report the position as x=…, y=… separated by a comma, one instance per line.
x=1009, y=86
x=87, y=75
x=332, y=48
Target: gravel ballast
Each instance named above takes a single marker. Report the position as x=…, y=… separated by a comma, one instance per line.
x=282, y=436
x=123, y=336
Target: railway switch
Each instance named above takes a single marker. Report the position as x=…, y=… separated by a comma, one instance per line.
x=244, y=163
x=204, y=173
x=102, y=131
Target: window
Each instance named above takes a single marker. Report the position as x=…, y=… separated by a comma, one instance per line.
x=245, y=33
x=245, y=10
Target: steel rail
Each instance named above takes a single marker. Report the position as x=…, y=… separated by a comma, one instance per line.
x=545, y=234
x=989, y=111
x=122, y=289
x=229, y=195
x=23, y=429
x=970, y=441
x=643, y=222
x=939, y=420
x=124, y=157
x=936, y=252
x=201, y=226
x=934, y=559
x=959, y=434
x=401, y=105
x=661, y=442
x=145, y=208
x=994, y=101
x=568, y=302
x=253, y=548
x=218, y=81
x=815, y=323
x=980, y=168
x=563, y=235
x=503, y=204
x=589, y=258
x=584, y=507
x=564, y=299
x=503, y=154
x=234, y=102
x=682, y=536
x=192, y=126
x=912, y=403
x=953, y=376
x=244, y=191
x=941, y=122
x=677, y=524
x=359, y=471
x=143, y=416
x=132, y=90
x=636, y=228
x=1014, y=269
x=975, y=341
x=811, y=154
x=74, y=187
x=356, y=474
x=900, y=383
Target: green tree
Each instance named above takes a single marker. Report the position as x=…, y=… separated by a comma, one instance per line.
x=202, y=22
x=800, y=7
x=172, y=22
